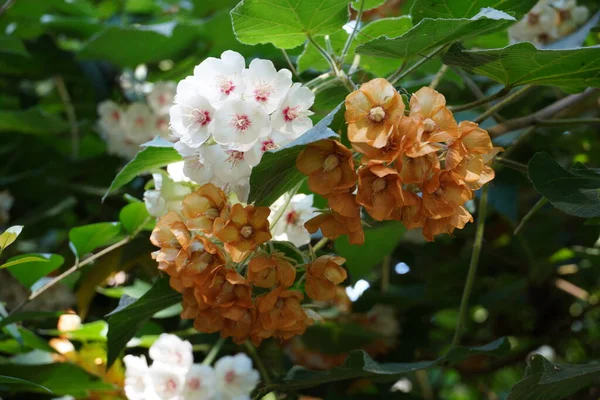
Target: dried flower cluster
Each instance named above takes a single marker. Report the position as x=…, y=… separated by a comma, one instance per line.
x=548, y=21
x=418, y=168
x=232, y=280
x=125, y=128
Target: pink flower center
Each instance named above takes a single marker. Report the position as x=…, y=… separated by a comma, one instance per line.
x=230, y=376
x=161, y=124
x=225, y=84
x=292, y=218
x=241, y=122
x=235, y=157
x=202, y=117
x=262, y=92
x=116, y=115
x=267, y=145
x=291, y=113
x=140, y=122
x=194, y=384
x=171, y=385
x=162, y=99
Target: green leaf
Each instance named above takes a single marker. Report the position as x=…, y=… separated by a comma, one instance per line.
x=23, y=260
x=369, y=4
x=12, y=45
x=29, y=316
x=544, y=380
x=286, y=23
x=360, y=365
x=466, y=9
x=126, y=319
x=15, y=383
x=149, y=158
x=337, y=338
x=92, y=331
x=135, y=217
x=28, y=273
x=133, y=45
x=379, y=242
x=429, y=34
x=9, y=236
x=33, y=120
x=277, y=173
x=571, y=70
x=575, y=192
x=391, y=27
x=87, y=238
x=59, y=378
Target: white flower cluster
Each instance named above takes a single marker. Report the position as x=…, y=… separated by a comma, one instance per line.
x=174, y=376
x=288, y=223
x=125, y=128
x=226, y=116
x=548, y=21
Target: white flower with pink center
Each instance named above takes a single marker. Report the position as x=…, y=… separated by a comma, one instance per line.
x=161, y=97
x=199, y=383
x=166, y=380
x=220, y=79
x=235, y=377
x=111, y=117
x=228, y=165
x=239, y=124
x=139, y=123
x=137, y=379
x=192, y=114
x=287, y=223
x=265, y=85
x=292, y=115
x=170, y=350
x=273, y=141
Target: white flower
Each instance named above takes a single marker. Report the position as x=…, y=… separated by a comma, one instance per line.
x=161, y=97
x=166, y=195
x=199, y=383
x=6, y=202
x=290, y=221
x=235, y=377
x=292, y=116
x=221, y=78
x=111, y=117
x=137, y=379
x=265, y=85
x=175, y=171
x=239, y=124
x=241, y=188
x=167, y=381
x=273, y=141
x=170, y=350
x=139, y=123
x=228, y=165
x=192, y=114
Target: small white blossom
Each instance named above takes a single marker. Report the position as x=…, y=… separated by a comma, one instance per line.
x=200, y=383
x=290, y=223
x=111, y=117
x=161, y=97
x=166, y=195
x=228, y=165
x=192, y=114
x=139, y=123
x=171, y=350
x=292, y=116
x=239, y=124
x=167, y=380
x=235, y=377
x=273, y=141
x=265, y=85
x=175, y=171
x=137, y=378
x=220, y=79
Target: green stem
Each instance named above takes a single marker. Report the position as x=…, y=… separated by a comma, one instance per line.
x=508, y=99
x=333, y=64
x=289, y=196
x=400, y=74
x=291, y=64
x=517, y=166
x=294, y=249
x=479, y=102
x=214, y=351
x=353, y=34
x=320, y=244
x=259, y=364
x=438, y=77
x=540, y=203
x=464, y=302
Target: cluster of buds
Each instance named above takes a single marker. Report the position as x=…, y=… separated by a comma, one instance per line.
x=418, y=168
x=125, y=128
x=226, y=116
x=548, y=21
x=233, y=281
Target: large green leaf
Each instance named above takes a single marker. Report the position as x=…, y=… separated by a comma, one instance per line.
x=466, y=9
x=575, y=192
x=572, y=70
x=430, y=34
x=360, y=365
x=29, y=316
x=87, y=238
x=135, y=217
x=149, y=158
x=391, y=27
x=368, y=4
x=379, y=242
x=133, y=45
x=60, y=378
x=22, y=260
x=131, y=314
x=277, y=173
x=12, y=45
x=286, y=23
x=13, y=383
x=29, y=272
x=544, y=380
x=33, y=120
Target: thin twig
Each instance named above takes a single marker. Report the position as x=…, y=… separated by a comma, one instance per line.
x=479, y=102
x=517, y=166
x=542, y=115
x=540, y=203
x=259, y=364
x=395, y=77
x=568, y=121
x=479, y=229
x=320, y=244
x=476, y=91
x=6, y=6
x=353, y=33
x=332, y=63
x=502, y=103
x=71, y=116
x=291, y=64
x=438, y=77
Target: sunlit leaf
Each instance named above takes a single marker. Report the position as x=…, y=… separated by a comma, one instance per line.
x=87, y=238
